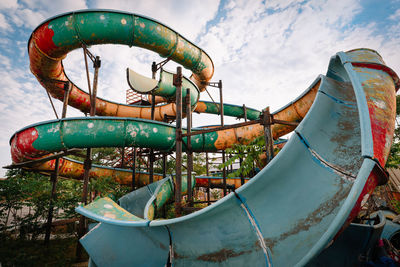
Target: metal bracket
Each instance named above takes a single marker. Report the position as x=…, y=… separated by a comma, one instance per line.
x=156, y=66
x=95, y=59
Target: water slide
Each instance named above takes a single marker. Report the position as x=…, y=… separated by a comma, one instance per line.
x=330, y=165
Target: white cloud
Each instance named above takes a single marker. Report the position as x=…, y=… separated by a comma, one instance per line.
x=8, y=4
x=396, y=15
x=27, y=18
x=4, y=25
x=187, y=17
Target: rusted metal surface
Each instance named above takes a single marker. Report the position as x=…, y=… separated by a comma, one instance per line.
x=178, y=139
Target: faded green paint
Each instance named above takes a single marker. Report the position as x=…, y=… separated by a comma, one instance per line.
x=168, y=90
x=99, y=132
x=104, y=27
x=118, y=132
x=105, y=207
x=186, y=53
x=232, y=110
x=150, y=35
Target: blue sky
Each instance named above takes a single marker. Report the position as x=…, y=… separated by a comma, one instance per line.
x=266, y=52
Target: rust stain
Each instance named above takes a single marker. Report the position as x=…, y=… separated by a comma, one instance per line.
x=313, y=218
x=221, y=255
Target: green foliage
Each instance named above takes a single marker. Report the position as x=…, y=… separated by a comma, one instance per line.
x=108, y=187
x=394, y=156
x=249, y=154
x=29, y=191
x=199, y=166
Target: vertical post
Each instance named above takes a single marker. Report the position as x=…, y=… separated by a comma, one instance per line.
x=164, y=163
x=241, y=173
x=122, y=157
x=153, y=106
x=53, y=177
x=267, y=121
x=178, y=177
x=189, y=148
x=245, y=112
x=134, y=168
x=67, y=90
x=209, y=183
x=221, y=108
x=54, y=174
x=88, y=159
x=96, y=65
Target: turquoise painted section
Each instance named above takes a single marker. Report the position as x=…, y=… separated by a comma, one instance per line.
x=151, y=245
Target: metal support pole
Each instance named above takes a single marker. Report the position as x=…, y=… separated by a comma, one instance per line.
x=178, y=178
x=164, y=163
x=241, y=173
x=189, y=148
x=96, y=65
x=153, y=106
x=221, y=101
x=54, y=175
x=267, y=121
x=245, y=112
x=122, y=157
x=134, y=169
x=209, y=183
x=88, y=160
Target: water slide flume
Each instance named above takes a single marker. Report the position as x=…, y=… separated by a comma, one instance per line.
x=330, y=165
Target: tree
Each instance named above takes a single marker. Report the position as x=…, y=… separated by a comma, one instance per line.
x=394, y=156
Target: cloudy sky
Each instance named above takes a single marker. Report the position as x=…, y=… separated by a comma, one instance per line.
x=265, y=52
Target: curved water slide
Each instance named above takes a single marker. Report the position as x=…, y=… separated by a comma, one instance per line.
x=330, y=165
x=53, y=39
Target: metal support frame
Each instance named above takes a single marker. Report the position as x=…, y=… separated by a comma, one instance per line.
x=189, y=151
x=241, y=174
x=177, y=82
x=221, y=112
x=88, y=160
x=154, y=68
x=267, y=121
x=209, y=182
x=164, y=164
x=134, y=169
x=54, y=174
x=245, y=112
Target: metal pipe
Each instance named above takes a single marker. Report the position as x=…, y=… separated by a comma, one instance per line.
x=178, y=177
x=189, y=148
x=54, y=177
x=245, y=112
x=164, y=162
x=222, y=125
x=88, y=159
x=209, y=182
x=241, y=173
x=269, y=142
x=134, y=168
x=153, y=105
